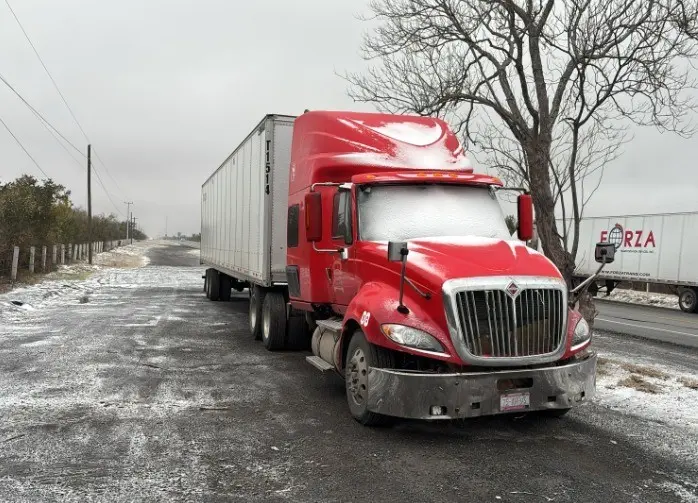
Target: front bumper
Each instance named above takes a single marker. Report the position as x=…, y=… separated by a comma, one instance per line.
x=412, y=395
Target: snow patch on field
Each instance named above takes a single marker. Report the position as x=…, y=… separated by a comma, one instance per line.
x=655, y=392
x=74, y=283
x=644, y=298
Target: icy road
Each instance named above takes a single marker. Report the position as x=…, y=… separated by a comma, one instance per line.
x=131, y=386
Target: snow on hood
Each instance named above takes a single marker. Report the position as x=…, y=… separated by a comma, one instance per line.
x=431, y=261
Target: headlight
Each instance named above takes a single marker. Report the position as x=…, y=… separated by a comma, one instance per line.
x=581, y=333
x=411, y=337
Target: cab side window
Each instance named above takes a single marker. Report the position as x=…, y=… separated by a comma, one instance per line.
x=341, y=217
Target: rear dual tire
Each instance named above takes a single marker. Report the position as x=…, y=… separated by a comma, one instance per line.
x=212, y=284
x=274, y=321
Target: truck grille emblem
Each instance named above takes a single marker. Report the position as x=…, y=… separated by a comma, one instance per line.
x=512, y=290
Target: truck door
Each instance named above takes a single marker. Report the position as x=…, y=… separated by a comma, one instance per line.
x=345, y=283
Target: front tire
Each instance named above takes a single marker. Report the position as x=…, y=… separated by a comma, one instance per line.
x=361, y=356
x=274, y=321
x=688, y=300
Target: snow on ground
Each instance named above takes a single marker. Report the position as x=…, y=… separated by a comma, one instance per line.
x=74, y=283
x=644, y=298
x=656, y=392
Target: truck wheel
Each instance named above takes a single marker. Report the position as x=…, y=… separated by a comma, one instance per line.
x=361, y=356
x=688, y=300
x=256, y=302
x=298, y=333
x=274, y=321
x=207, y=283
x=225, y=287
x=214, y=285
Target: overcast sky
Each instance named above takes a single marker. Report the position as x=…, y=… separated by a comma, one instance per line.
x=166, y=89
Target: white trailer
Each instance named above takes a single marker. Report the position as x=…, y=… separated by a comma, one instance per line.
x=653, y=248
x=243, y=212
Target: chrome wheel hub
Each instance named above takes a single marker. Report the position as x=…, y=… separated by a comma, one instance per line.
x=357, y=377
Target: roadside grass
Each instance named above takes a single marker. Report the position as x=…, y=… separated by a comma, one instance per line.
x=644, y=370
x=637, y=382
x=689, y=382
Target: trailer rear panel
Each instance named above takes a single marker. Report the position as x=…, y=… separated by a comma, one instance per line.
x=653, y=248
x=243, y=206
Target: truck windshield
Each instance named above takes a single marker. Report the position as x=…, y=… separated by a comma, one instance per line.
x=402, y=212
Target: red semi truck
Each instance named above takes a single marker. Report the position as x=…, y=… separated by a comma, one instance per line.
x=369, y=239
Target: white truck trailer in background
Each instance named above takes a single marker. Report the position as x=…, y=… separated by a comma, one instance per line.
x=658, y=248
x=243, y=233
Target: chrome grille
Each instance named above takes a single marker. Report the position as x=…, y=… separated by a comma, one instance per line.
x=494, y=324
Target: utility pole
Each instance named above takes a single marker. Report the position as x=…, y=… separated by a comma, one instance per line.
x=165, y=227
x=133, y=226
x=89, y=202
x=128, y=212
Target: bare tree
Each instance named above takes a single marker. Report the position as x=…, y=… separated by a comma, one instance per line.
x=546, y=89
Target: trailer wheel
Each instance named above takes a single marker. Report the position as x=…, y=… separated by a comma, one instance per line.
x=207, y=282
x=298, y=333
x=214, y=285
x=225, y=287
x=688, y=300
x=256, y=302
x=274, y=321
x=361, y=356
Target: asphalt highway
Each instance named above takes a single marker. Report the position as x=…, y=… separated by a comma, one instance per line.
x=142, y=390
x=648, y=322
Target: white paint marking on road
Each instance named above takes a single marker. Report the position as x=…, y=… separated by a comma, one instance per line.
x=646, y=327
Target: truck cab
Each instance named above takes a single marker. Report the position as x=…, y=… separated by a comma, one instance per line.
x=399, y=259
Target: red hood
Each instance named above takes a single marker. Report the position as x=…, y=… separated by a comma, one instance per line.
x=431, y=261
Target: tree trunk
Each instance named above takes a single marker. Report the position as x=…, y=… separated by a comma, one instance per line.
x=547, y=228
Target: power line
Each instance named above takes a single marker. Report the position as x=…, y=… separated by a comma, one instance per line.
x=94, y=152
x=4, y=81
x=99, y=179
x=65, y=102
x=55, y=85
x=22, y=146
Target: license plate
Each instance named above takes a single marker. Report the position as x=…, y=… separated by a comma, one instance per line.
x=514, y=401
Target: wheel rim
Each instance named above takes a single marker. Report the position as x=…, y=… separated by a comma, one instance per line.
x=253, y=312
x=266, y=321
x=688, y=299
x=357, y=379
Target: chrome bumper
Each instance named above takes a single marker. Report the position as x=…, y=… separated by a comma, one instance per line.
x=412, y=395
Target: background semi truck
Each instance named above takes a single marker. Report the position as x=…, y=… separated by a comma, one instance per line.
x=653, y=248
x=369, y=239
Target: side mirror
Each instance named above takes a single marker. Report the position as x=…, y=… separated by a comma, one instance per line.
x=397, y=250
x=313, y=216
x=524, y=204
x=605, y=253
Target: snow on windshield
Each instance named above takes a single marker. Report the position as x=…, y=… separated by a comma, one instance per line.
x=402, y=212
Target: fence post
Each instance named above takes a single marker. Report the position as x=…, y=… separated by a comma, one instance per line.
x=54, y=255
x=32, y=253
x=43, y=258
x=15, y=263
x=62, y=254
x=75, y=252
